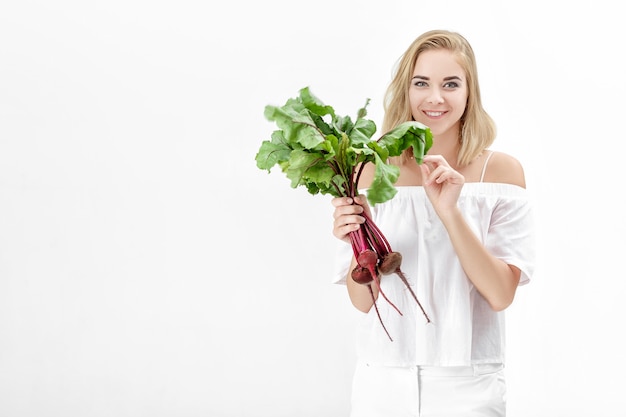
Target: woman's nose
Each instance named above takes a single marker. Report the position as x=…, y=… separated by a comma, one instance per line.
x=435, y=97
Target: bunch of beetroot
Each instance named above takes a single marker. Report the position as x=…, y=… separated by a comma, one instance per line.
x=326, y=153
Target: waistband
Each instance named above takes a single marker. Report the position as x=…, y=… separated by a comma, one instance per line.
x=474, y=370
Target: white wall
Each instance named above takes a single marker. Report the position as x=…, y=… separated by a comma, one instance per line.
x=148, y=268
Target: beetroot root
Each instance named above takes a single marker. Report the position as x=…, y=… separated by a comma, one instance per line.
x=362, y=275
x=399, y=273
x=367, y=258
x=390, y=263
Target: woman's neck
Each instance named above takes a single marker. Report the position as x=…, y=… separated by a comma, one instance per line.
x=448, y=146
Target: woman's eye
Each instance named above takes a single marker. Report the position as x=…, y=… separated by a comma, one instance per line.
x=451, y=84
x=419, y=84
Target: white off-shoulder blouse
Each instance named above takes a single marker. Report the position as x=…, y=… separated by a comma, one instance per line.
x=464, y=330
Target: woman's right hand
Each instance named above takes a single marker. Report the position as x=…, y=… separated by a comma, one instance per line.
x=348, y=215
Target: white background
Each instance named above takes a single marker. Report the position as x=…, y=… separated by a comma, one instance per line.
x=148, y=268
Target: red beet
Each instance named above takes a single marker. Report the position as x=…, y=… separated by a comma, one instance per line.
x=390, y=263
x=362, y=275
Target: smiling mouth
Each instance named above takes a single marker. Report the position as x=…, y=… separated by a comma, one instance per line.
x=433, y=113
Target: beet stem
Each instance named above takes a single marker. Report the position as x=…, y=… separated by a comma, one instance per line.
x=382, y=244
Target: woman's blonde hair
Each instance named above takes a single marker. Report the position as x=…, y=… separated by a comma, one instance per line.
x=478, y=131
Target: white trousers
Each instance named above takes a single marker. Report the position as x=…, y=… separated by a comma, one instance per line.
x=475, y=391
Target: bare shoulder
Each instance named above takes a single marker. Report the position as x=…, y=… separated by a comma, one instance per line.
x=504, y=168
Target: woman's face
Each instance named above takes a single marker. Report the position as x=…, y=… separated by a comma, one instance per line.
x=438, y=92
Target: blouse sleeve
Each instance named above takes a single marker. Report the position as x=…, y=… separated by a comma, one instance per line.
x=343, y=259
x=511, y=234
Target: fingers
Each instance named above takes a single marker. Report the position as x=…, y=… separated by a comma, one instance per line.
x=347, y=216
x=435, y=160
x=443, y=174
x=344, y=201
x=347, y=205
x=341, y=201
x=343, y=232
x=345, y=224
x=432, y=162
x=436, y=169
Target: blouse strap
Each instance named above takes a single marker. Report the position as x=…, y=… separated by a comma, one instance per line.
x=482, y=174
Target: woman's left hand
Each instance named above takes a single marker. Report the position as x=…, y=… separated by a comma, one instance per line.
x=442, y=183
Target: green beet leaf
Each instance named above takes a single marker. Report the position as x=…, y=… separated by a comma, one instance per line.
x=324, y=152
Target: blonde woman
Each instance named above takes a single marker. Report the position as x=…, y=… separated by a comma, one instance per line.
x=463, y=224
